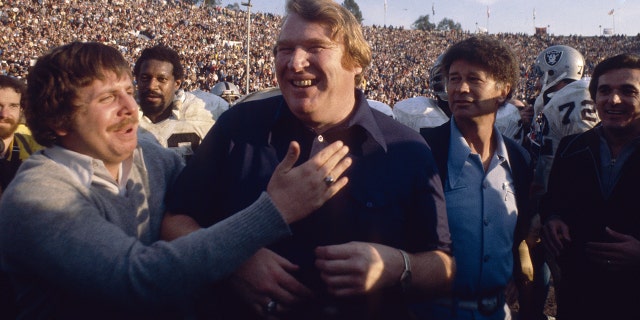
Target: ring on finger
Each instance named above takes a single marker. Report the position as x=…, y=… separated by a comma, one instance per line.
x=271, y=307
x=328, y=180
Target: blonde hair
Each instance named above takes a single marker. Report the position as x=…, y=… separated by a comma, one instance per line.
x=345, y=29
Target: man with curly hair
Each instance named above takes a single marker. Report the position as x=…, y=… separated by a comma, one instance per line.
x=486, y=179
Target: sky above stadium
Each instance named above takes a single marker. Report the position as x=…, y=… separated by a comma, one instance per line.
x=561, y=17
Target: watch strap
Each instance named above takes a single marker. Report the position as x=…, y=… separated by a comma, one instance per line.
x=405, y=278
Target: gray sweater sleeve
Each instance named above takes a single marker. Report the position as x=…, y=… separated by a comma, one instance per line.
x=52, y=229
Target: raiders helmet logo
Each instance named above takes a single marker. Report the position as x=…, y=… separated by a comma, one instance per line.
x=553, y=57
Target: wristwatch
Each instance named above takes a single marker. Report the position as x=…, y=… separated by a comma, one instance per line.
x=405, y=278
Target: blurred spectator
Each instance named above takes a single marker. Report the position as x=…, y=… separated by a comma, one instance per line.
x=16, y=145
x=16, y=142
x=227, y=91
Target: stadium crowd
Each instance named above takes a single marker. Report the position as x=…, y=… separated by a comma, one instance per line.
x=212, y=43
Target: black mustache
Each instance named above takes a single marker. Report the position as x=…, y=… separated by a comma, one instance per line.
x=151, y=94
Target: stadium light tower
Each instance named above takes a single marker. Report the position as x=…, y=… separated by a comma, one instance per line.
x=248, y=5
x=613, y=18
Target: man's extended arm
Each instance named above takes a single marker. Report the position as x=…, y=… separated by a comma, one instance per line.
x=295, y=191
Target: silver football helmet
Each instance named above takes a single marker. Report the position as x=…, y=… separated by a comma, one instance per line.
x=558, y=62
x=437, y=82
x=227, y=91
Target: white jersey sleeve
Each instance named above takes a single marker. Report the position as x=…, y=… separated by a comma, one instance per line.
x=213, y=103
x=419, y=112
x=569, y=111
x=509, y=122
x=382, y=107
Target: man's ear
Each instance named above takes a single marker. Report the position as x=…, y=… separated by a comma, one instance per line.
x=504, y=92
x=61, y=132
x=357, y=69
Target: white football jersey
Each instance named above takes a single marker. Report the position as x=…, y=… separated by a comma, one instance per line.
x=509, y=122
x=419, y=112
x=259, y=95
x=382, y=107
x=570, y=110
x=215, y=104
x=190, y=120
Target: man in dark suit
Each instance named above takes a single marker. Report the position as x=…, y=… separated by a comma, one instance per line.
x=590, y=210
x=380, y=243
